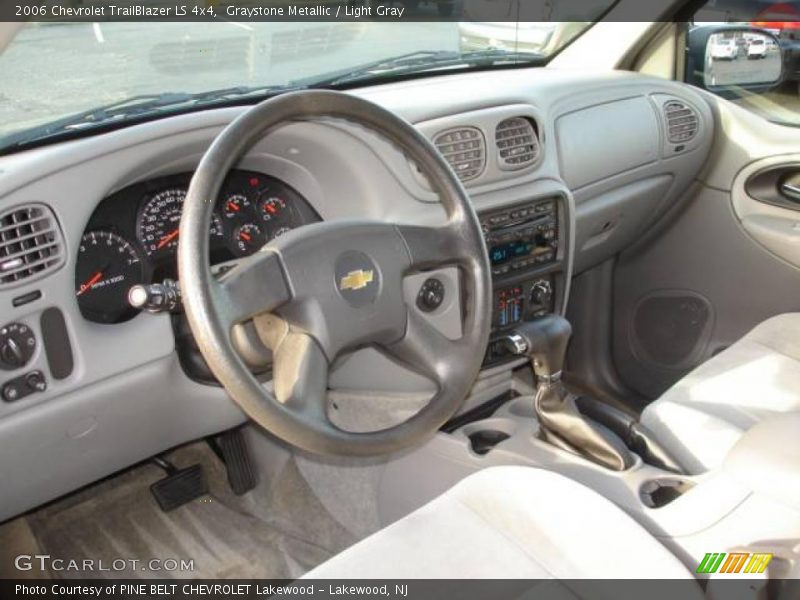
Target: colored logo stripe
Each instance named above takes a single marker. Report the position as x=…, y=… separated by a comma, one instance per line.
x=711, y=562
x=758, y=563
x=734, y=563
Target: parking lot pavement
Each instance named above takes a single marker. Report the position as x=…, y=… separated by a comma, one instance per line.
x=743, y=70
x=60, y=68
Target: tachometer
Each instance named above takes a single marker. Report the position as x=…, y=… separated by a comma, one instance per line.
x=108, y=265
x=159, y=221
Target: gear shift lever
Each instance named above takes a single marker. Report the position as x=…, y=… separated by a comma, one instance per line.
x=544, y=340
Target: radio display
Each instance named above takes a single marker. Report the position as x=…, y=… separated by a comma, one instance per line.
x=505, y=252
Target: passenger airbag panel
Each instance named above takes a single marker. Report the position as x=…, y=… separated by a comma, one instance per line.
x=605, y=140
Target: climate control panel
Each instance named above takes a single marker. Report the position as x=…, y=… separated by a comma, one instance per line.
x=513, y=305
x=523, y=242
x=521, y=302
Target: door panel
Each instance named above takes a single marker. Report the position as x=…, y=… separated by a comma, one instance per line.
x=766, y=199
x=726, y=262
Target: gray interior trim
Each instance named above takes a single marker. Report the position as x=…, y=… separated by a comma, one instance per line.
x=73, y=177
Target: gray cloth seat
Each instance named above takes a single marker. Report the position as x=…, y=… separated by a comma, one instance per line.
x=700, y=418
x=510, y=522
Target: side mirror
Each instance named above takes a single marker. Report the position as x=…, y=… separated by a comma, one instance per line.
x=728, y=59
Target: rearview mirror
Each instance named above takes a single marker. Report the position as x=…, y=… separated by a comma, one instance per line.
x=733, y=58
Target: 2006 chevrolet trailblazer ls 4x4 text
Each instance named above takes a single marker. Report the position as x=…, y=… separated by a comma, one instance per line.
x=433, y=298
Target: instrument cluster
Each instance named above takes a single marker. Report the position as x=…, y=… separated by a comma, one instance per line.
x=132, y=237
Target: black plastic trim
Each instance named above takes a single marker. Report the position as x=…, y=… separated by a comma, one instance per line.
x=57, y=346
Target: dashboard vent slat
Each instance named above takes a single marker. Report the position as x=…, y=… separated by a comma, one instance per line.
x=465, y=149
x=30, y=244
x=517, y=143
x=682, y=122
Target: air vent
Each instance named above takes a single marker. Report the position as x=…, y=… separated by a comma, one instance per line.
x=682, y=122
x=30, y=244
x=465, y=149
x=517, y=144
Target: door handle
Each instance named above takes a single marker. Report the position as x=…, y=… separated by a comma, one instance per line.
x=778, y=185
x=791, y=191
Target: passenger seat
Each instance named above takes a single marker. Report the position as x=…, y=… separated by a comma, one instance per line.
x=702, y=416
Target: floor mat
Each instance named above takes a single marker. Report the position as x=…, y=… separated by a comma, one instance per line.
x=118, y=519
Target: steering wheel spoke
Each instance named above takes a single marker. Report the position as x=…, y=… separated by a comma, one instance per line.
x=434, y=247
x=256, y=285
x=426, y=351
x=300, y=377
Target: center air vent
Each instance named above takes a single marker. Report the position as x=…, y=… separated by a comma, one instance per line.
x=682, y=122
x=465, y=149
x=30, y=244
x=517, y=144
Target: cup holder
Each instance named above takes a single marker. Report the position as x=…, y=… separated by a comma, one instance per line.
x=485, y=435
x=660, y=492
x=483, y=441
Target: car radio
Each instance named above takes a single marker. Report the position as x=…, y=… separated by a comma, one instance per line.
x=522, y=242
x=521, y=238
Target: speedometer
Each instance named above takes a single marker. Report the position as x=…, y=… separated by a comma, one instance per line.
x=158, y=224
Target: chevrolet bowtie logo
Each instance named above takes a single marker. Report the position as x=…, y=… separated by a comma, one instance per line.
x=356, y=280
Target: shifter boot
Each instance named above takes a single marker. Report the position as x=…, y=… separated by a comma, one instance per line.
x=562, y=425
x=544, y=340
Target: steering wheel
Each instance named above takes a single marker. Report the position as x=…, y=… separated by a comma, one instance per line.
x=332, y=287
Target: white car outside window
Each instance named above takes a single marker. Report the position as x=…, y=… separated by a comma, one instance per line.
x=724, y=49
x=757, y=49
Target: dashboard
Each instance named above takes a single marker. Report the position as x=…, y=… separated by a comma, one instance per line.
x=132, y=236
x=601, y=171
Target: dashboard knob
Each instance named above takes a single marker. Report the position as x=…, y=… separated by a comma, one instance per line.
x=542, y=294
x=35, y=381
x=17, y=344
x=12, y=354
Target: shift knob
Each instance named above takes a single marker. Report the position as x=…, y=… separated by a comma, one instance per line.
x=546, y=338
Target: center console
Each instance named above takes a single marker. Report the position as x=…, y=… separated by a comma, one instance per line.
x=526, y=246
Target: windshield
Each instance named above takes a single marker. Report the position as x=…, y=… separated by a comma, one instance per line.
x=54, y=70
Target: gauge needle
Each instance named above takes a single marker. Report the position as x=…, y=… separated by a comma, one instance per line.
x=245, y=236
x=167, y=239
x=94, y=279
x=233, y=207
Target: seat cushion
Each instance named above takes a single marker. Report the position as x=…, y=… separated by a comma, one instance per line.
x=510, y=522
x=702, y=416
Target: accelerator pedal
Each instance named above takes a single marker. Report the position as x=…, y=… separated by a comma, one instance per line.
x=180, y=486
x=231, y=447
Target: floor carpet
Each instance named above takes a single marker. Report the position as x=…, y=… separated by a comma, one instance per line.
x=119, y=519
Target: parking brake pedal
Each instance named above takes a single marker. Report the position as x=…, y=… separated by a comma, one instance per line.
x=231, y=447
x=180, y=486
